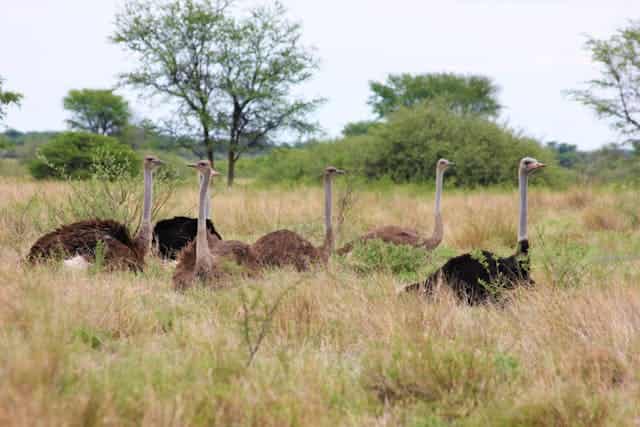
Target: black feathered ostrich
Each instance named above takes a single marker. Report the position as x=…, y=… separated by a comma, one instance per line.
x=76, y=243
x=472, y=275
x=173, y=234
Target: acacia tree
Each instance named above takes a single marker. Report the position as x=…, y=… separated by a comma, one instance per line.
x=461, y=94
x=262, y=61
x=232, y=76
x=7, y=98
x=176, y=44
x=97, y=111
x=616, y=94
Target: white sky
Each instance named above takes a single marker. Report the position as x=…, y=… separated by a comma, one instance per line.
x=533, y=49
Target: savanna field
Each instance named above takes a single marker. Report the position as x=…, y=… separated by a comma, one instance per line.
x=334, y=347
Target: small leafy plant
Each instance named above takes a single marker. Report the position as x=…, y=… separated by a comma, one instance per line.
x=376, y=255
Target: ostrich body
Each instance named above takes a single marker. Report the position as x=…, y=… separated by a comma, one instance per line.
x=472, y=275
x=173, y=234
x=287, y=248
x=406, y=236
x=79, y=240
x=206, y=258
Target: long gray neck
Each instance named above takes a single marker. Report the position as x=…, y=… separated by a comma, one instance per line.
x=438, y=229
x=202, y=245
x=208, y=201
x=144, y=235
x=522, y=225
x=328, y=225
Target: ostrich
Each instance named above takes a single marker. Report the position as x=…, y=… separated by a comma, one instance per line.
x=171, y=235
x=471, y=275
x=285, y=247
x=207, y=258
x=77, y=242
x=406, y=236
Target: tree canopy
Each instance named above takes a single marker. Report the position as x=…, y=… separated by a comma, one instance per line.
x=232, y=78
x=97, y=111
x=615, y=95
x=7, y=98
x=461, y=94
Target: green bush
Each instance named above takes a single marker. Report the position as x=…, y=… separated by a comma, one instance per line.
x=407, y=147
x=375, y=255
x=77, y=155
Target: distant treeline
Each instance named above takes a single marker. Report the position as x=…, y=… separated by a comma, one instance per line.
x=405, y=148
x=402, y=149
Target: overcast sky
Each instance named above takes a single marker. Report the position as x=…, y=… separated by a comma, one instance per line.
x=533, y=49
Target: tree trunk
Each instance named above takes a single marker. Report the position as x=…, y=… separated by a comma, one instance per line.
x=207, y=144
x=231, y=171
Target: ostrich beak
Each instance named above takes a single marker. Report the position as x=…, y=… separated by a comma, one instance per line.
x=341, y=171
x=539, y=165
x=215, y=173
x=158, y=162
x=192, y=165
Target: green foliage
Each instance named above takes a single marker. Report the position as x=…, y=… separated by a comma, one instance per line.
x=564, y=261
x=461, y=94
x=406, y=148
x=614, y=95
x=359, y=128
x=98, y=111
x=236, y=74
x=7, y=98
x=447, y=376
x=611, y=164
x=567, y=155
x=376, y=255
x=303, y=164
x=78, y=154
x=110, y=192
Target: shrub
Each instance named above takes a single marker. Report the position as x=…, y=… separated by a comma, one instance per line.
x=376, y=255
x=407, y=147
x=78, y=154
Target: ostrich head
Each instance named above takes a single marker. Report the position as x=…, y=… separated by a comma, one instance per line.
x=330, y=171
x=443, y=164
x=529, y=164
x=204, y=167
x=152, y=162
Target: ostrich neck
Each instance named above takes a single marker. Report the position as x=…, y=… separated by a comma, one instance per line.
x=202, y=245
x=144, y=235
x=438, y=230
x=327, y=246
x=522, y=225
x=208, y=201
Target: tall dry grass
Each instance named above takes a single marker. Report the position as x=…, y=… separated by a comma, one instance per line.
x=338, y=347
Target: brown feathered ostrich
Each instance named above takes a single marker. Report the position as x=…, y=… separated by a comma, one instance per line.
x=208, y=259
x=408, y=236
x=287, y=248
x=76, y=243
x=474, y=276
